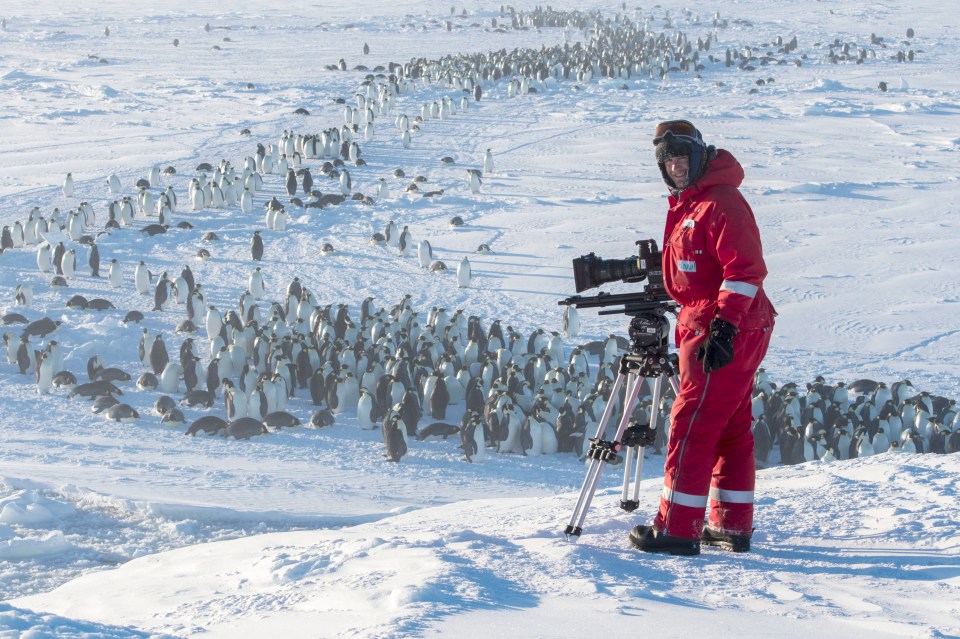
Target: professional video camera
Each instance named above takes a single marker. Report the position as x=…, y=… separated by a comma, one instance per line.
x=648, y=357
x=649, y=328
x=590, y=271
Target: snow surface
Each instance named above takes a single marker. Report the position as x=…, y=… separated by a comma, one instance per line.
x=133, y=530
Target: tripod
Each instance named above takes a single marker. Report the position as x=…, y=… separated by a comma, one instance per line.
x=647, y=358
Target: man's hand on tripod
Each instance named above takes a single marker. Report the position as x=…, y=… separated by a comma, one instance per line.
x=717, y=351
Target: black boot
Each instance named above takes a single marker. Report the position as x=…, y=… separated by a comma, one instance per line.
x=649, y=539
x=736, y=543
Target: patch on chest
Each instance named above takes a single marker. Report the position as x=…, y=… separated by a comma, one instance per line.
x=689, y=224
x=687, y=266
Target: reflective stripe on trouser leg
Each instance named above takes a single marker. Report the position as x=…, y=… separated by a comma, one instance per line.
x=699, y=419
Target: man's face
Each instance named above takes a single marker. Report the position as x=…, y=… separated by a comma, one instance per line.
x=677, y=169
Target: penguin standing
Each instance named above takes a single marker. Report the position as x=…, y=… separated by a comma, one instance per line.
x=404, y=241
x=393, y=439
x=68, y=186
x=474, y=178
x=464, y=273
x=256, y=246
x=158, y=355
x=44, y=374
x=487, y=162
x=256, y=284
x=424, y=253
x=141, y=278
x=571, y=321
x=161, y=293
x=291, y=182
x=93, y=261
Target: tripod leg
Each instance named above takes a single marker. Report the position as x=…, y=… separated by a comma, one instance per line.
x=594, y=471
x=575, y=527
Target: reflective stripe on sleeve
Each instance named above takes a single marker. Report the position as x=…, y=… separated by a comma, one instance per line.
x=743, y=288
x=683, y=499
x=731, y=496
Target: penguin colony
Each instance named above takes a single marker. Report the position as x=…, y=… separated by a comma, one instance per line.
x=413, y=374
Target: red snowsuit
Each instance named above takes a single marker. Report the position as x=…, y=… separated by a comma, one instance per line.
x=713, y=265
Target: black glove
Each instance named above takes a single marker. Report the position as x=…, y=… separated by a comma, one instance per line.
x=717, y=351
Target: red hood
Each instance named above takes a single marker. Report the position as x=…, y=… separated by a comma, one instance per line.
x=722, y=169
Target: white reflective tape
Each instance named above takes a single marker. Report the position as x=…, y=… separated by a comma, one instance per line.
x=731, y=496
x=687, y=266
x=743, y=288
x=683, y=499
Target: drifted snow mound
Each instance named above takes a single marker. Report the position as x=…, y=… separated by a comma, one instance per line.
x=866, y=547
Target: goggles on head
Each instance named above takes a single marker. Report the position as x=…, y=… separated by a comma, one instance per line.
x=676, y=129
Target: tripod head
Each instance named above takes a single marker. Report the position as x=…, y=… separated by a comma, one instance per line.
x=649, y=329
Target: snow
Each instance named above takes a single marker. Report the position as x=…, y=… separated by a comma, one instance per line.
x=110, y=529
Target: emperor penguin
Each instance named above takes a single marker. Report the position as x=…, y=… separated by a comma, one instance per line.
x=256, y=246
x=383, y=191
x=571, y=321
x=474, y=178
x=213, y=322
x=510, y=432
x=479, y=441
x=113, y=183
x=424, y=253
x=404, y=241
x=170, y=378
x=464, y=273
x=45, y=374
x=367, y=413
x=487, y=162
x=68, y=186
x=158, y=355
x=24, y=295
x=532, y=436
x=291, y=182
x=44, y=258
x=256, y=284
x=93, y=260
x=346, y=185
x=141, y=278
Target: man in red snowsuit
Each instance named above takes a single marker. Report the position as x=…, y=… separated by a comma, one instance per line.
x=713, y=267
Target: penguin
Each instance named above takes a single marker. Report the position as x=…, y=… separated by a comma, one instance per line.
x=404, y=241
x=367, y=412
x=463, y=273
x=509, y=431
x=393, y=439
x=307, y=181
x=170, y=378
x=44, y=258
x=473, y=176
x=161, y=292
x=424, y=253
x=45, y=373
x=256, y=284
x=487, y=162
x=24, y=295
x=141, y=278
x=410, y=411
x=158, y=355
x=531, y=436
x=291, y=182
x=571, y=321
x=68, y=186
x=93, y=260
x=213, y=322
x=123, y=413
